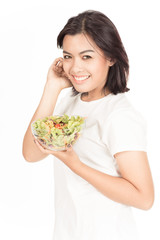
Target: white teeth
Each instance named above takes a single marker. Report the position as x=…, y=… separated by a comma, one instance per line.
x=80, y=78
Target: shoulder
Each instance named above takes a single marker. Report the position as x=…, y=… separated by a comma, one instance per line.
x=121, y=109
x=119, y=102
x=125, y=129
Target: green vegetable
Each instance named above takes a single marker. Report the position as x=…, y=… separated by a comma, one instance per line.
x=56, y=132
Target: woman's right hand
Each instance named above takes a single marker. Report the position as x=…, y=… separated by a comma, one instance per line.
x=57, y=76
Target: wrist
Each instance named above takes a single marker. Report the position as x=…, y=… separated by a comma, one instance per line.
x=52, y=88
x=76, y=165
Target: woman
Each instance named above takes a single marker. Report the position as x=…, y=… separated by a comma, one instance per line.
x=106, y=172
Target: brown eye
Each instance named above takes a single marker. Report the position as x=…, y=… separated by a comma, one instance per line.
x=67, y=57
x=86, y=57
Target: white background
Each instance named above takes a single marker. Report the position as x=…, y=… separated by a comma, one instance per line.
x=28, y=31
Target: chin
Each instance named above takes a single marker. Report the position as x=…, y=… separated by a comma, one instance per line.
x=77, y=90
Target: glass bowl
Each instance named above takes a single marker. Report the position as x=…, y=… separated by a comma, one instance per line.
x=59, y=131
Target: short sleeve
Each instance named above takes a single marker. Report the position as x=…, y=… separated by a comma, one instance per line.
x=126, y=130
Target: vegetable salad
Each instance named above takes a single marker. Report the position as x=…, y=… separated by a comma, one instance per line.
x=56, y=132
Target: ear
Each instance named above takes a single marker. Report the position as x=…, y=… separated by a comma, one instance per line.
x=111, y=62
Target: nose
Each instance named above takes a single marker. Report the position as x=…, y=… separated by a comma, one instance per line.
x=76, y=66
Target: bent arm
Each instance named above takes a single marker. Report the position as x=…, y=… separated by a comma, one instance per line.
x=45, y=108
x=133, y=188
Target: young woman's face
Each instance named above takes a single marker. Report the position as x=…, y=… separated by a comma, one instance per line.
x=85, y=64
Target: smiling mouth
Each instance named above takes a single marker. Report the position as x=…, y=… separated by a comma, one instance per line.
x=80, y=79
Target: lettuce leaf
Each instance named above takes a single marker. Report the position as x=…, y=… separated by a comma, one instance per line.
x=58, y=131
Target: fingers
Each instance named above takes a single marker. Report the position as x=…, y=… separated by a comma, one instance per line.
x=64, y=154
x=37, y=143
x=47, y=151
x=58, y=62
x=57, y=66
x=42, y=148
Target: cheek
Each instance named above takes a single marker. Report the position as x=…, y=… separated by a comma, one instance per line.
x=98, y=70
x=103, y=68
x=66, y=67
x=98, y=66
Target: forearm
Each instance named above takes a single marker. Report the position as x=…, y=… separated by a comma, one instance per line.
x=116, y=188
x=45, y=108
x=47, y=102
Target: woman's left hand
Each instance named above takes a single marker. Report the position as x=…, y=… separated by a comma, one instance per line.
x=68, y=156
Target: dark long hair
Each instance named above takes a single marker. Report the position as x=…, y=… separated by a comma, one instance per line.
x=104, y=33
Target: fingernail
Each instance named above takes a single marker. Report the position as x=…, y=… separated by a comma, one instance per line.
x=69, y=145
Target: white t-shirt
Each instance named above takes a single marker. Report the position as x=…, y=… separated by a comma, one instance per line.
x=81, y=211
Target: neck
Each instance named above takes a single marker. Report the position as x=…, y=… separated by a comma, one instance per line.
x=88, y=97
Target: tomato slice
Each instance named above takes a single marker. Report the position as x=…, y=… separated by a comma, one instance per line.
x=57, y=125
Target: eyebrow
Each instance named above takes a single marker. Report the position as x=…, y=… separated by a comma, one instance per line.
x=79, y=53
